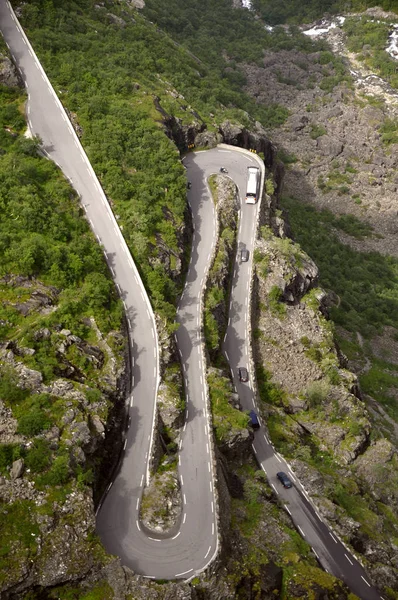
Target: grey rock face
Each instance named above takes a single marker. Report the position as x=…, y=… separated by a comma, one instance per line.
x=208, y=139
x=17, y=468
x=80, y=434
x=9, y=75
x=328, y=146
x=238, y=445
x=237, y=135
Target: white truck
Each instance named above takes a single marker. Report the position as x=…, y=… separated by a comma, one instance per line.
x=252, y=184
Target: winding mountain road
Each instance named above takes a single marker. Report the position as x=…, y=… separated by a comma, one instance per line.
x=193, y=544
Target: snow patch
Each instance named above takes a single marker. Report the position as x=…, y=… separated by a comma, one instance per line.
x=324, y=27
x=392, y=49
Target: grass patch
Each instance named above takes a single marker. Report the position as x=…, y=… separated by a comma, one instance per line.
x=381, y=382
x=317, y=131
x=18, y=529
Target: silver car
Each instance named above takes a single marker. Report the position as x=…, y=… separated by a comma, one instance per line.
x=244, y=255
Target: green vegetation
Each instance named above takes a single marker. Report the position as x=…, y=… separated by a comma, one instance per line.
x=43, y=235
x=381, y=382
x=317, y=392
x=366, y=285
x=260, y=521
x=100, y=591
x=294, y=11
x=277, y=307
x=212, y=31
x=163, y=488
x=18, y=528
x=340, y=182
x=286, y=157
x=389, y=132
x=172, y=386
x=270, y=393
x=226, y=419
x=216, y=297
x=48, y=252
x=317, y=131
x=90, y=58
x=369, y=38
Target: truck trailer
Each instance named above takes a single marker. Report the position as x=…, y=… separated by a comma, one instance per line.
x=252, y=184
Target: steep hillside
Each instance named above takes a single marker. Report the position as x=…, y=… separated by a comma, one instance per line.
x=140, y=86
x=121, y=78
x=294, y=11
x=61, y=362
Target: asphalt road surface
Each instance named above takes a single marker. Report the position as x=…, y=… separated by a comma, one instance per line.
x=193, y=544
x=333, y=556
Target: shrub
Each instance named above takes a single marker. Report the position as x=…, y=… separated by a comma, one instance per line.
x=269, y=187
x=9, y=390
x=314, y=354
x=8, y=453
x=59, y=472
x=270, y=392
x=389, y=132
x=32, y=423
x=286, y=157
x=317, y=392
x=38, y=457
x=317, y=131
x=274, y=299
x=366, y=282
x=225, y=417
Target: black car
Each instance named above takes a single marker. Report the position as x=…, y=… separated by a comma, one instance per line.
x=243, y=374
x=244, y=255
x=284, y=479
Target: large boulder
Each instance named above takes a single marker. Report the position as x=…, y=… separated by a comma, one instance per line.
x=328, y=146
x=17, y=468
x=9, y=75
x=257, y=139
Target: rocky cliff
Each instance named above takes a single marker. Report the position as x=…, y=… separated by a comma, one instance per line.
x=313, y=407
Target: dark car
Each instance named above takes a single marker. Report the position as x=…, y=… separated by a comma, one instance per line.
x=244, y=255
x=243, y=374
x=254, y=422
x=189, y=185
x=284, y=479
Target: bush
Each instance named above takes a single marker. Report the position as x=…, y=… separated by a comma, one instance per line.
x=38, y=457
x=317, y=393
x=59, y=472
x=9, y=390
x=286, y=157
x=225, y=417
x=33, y=422
x=317, y=131
x=275, y=301
x=389, y=132
x=8, y=453
x=269, y=392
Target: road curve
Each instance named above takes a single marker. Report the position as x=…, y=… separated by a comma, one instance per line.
x=194, y=542
x=190, y=547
